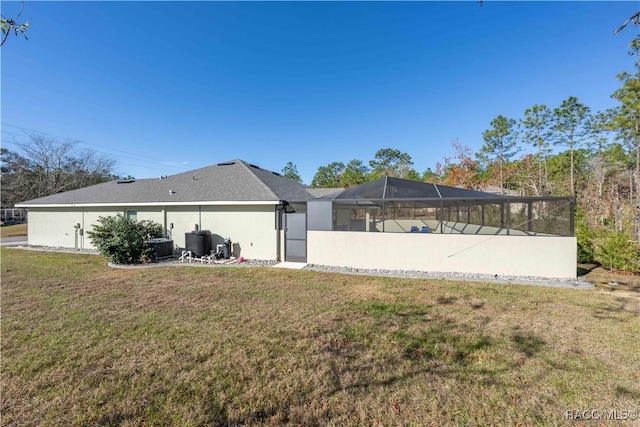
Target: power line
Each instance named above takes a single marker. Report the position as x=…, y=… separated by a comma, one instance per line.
x=161, y=167
x=156, y=166
x=104, y=150
x=76, y=140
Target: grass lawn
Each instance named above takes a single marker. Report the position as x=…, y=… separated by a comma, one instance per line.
x=83, y=344
x=13, y=230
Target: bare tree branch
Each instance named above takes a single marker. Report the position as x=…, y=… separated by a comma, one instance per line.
x=636, y=21
x=9, y=24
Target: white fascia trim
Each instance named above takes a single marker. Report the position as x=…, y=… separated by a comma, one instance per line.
x=130, y=204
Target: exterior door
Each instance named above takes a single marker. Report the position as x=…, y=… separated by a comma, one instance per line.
x=295, y=243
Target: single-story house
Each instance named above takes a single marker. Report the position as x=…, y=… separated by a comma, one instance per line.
x=389, y=223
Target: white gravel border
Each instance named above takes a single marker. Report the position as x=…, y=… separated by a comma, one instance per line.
x=485, y=278
x=409, y=274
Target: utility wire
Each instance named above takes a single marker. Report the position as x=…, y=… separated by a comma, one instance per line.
x=157, y=166
x=74, y=140
x=104, y=150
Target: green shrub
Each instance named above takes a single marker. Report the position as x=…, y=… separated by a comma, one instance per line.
x=122, y=240
x=617, y=252
x=584, y=236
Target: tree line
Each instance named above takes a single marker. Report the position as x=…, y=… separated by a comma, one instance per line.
x=45, y=166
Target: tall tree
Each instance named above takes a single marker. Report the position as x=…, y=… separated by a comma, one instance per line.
x=606, y=180
x=570, y=129
x=328, y=176
x=46, y=166
x=499, y=144
x=390, y=162
x=600, y=126
x=413, y=175
x=523, y=175
x=464, y=172
x=535, y=131
x=626, y=123
x=430, y=175
x=558, y=165
x=355, y=173
x=291, y=171
x=16, y=176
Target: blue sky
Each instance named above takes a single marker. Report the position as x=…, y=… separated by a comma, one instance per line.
x=166, y=87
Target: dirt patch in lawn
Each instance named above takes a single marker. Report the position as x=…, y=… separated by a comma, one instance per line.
x=617, y=283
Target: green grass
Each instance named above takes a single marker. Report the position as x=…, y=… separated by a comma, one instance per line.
x=83, y=344
x=13, y=230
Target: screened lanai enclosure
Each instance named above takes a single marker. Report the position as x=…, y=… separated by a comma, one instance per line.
x=397, y=224
x=394, y=205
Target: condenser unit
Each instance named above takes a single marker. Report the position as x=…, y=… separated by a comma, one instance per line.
x=160, y=248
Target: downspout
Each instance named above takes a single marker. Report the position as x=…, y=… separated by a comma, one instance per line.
x=164, y=222
x=278, y=227
x=82, y=228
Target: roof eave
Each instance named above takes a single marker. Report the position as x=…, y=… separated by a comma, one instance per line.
x=144, y=204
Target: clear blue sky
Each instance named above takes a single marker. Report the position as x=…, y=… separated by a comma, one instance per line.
x=166, y=87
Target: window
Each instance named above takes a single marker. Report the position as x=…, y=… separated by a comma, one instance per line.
x=131, y=214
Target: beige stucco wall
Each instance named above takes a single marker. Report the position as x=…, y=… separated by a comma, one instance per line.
x=250, y=227
x=184, y=220
x=51, y=227
x=55, y=226
x=553, y=257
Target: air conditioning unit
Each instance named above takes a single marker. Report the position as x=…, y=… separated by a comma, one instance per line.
x=160, y=248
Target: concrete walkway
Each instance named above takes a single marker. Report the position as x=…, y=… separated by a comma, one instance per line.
x=291, y=265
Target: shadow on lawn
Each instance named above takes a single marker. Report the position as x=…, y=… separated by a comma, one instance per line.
x=620, y=310
x=527, y=343
x=446, y=300
x=425, y=343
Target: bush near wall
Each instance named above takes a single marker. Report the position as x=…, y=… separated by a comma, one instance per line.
x=584, y=237
x=615, y=251
x=122, y=240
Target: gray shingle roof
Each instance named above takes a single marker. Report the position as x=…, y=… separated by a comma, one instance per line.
x=230, y=181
